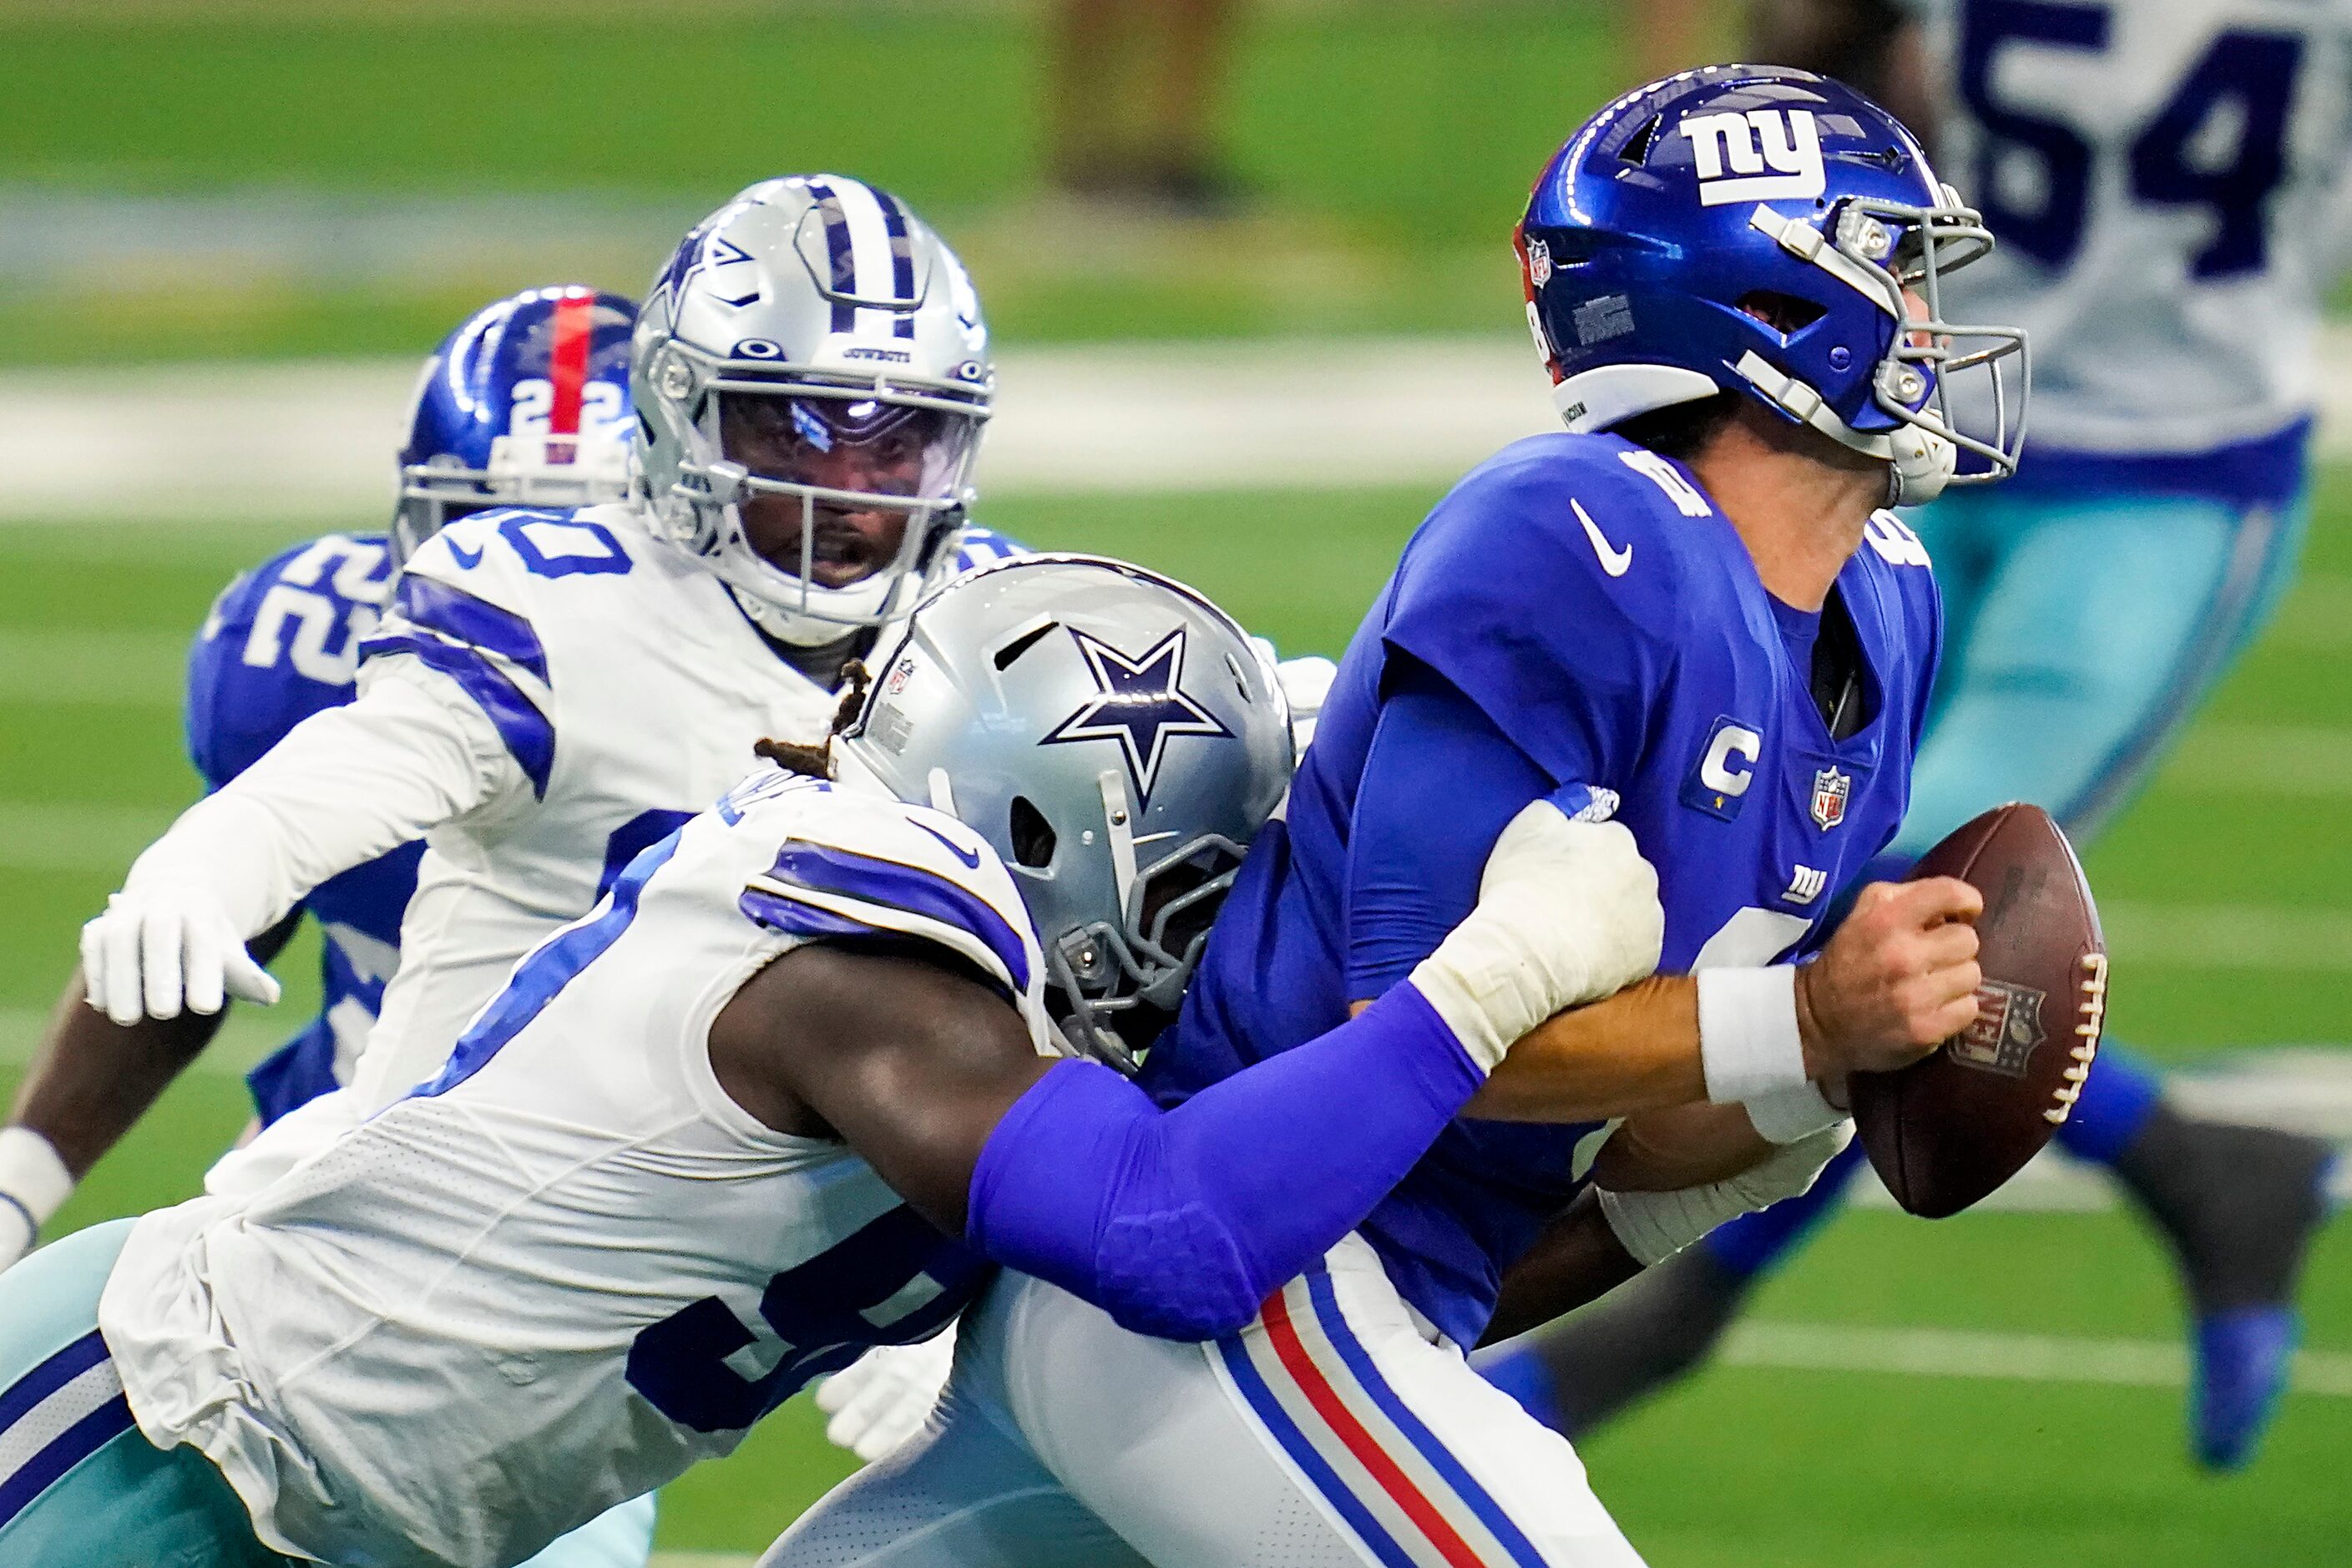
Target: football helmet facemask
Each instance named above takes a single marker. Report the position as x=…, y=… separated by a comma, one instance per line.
x=1768, y=231
x=1116, y=739
x=810, y=381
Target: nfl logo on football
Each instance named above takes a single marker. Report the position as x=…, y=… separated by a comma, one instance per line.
x=2008, y=1026
x=1831, y=788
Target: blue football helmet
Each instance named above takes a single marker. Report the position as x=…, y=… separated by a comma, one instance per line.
x=1768, y=231
x=527, y=403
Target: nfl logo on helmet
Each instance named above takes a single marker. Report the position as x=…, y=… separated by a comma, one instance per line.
x=1831, y=788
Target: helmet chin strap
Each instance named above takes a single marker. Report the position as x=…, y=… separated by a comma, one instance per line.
x=1924, y=464
x=1920, y=463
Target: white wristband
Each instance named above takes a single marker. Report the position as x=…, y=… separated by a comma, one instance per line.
x=1748, y=1040
x=1793, y=1115
x=32, y=1177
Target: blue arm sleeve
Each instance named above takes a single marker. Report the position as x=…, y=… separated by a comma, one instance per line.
x=1180, y=1223
x=1440, y=784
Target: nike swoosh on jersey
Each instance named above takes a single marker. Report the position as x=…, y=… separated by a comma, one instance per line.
x=469, y=559
x=1613, y=561
x=971, y=857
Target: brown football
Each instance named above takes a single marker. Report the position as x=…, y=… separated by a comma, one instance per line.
x=1959, y=1123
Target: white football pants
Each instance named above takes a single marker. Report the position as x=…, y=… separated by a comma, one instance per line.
x=1337, y=1430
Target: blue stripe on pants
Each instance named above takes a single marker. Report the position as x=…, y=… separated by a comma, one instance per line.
x=96, y=1494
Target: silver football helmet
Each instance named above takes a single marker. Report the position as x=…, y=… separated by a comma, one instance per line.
x=810, y=372
x=1118, y=741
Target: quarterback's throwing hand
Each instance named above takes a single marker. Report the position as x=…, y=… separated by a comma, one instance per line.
x=160, y=950
x=1898, y=979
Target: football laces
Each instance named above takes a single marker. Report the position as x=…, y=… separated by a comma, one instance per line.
x=2094, y=1009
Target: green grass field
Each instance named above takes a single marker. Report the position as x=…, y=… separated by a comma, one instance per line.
x=1389, y=146
x=1750, y=1466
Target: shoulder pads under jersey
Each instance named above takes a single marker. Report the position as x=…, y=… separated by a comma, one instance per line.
x=847, y=862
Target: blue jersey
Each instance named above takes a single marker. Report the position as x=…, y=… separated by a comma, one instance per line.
x=1589, y=600
x=282, y=643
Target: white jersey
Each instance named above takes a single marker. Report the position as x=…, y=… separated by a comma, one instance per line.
x=2166, y=179
x=569, y=1266
x=630, y=691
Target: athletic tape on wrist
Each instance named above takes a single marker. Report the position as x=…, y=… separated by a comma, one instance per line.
x=1653, y=1226
x=1793, y=1115
x=1467, y=1012
x=1748, y=1040
x=31, y=1173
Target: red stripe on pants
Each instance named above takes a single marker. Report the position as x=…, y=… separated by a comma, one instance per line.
x=1283, y=1334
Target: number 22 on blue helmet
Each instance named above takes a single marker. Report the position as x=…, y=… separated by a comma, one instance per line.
x=526, y=403
x=1767, y=231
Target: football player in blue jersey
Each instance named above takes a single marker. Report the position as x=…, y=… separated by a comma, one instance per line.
x=1689, y=612
x=2174, y=298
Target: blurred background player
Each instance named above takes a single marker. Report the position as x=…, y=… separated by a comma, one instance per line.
x=1131, y=103
x=2164, y=180
x=526, y=401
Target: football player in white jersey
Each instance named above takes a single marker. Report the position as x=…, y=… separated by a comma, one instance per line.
x=2167, y=180
x=551, y=692
x=526, y=401
x=714, y=1138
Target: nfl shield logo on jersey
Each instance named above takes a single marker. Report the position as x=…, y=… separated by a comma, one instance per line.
x=1831, y=788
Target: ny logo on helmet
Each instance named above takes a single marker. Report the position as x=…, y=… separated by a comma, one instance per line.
x=1734, y=152
x=1140, y=706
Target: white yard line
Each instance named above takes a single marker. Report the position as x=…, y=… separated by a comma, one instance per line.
x=2012, y=1358
x=313, y=439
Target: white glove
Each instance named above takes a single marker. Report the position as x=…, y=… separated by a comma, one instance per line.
x=1568, y=913
x=882, y=1398
x=166, y=946
x=1653, y=1226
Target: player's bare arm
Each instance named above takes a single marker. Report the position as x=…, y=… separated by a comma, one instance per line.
x=1578, y=1258
x=907, y=1060
x=89, y=1083
x=1898, y=977
x=93, y=1078
x=1662, y=1180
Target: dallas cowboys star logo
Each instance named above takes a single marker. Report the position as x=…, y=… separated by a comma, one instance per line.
x=701, y=250
x=1140, y=706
